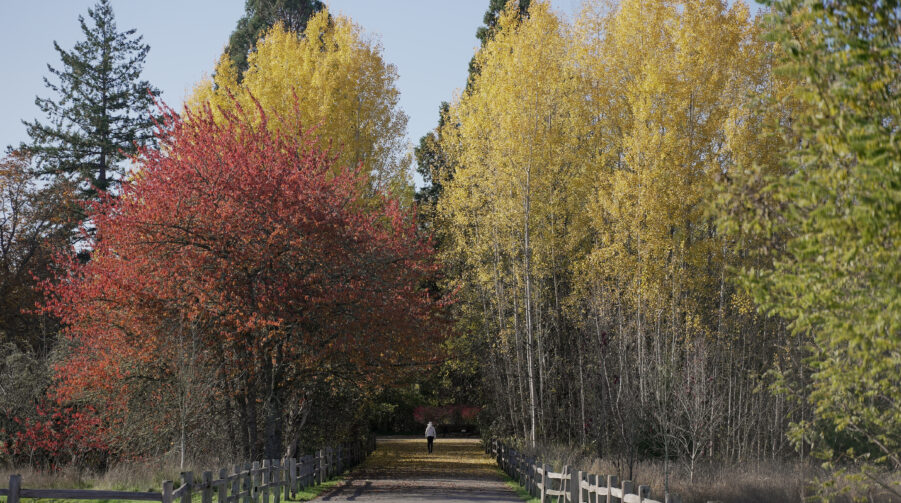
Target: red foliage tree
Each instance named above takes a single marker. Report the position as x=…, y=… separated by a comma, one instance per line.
x=59, y=435
x=239, y=251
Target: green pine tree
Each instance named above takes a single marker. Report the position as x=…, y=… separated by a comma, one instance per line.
x=495, y=7
x=260, y=15
x=431, y=162
x=100, y=113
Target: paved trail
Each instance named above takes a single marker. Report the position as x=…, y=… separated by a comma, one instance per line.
x=400, y=469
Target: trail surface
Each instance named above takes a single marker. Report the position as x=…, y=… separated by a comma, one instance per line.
x=400, y=469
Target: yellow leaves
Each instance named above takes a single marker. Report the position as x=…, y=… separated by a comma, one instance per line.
x=339, y=84
x=743, y=304
x=665, y=76
x=511, y=139
x=591, y=149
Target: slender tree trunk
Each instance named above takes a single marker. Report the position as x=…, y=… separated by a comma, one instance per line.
x=527, y=252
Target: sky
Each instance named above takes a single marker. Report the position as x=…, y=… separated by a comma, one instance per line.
x=430, y=42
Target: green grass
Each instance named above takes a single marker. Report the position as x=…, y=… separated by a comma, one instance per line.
x=55, y=500
x=306, y=494
x=313, y=491
x=520, y=490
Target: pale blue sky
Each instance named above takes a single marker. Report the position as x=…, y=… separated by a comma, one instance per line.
x=430, y=41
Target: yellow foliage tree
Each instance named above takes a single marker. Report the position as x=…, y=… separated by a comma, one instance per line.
x=512, y=205
x=338, y=81
x=668, y=74
x=667, y=82
x=586, y=158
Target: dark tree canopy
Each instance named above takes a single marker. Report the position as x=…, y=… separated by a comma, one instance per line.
x=30, y=231
x=99, y=111
x=431, y=162
x=495, y=7
x=259, y=16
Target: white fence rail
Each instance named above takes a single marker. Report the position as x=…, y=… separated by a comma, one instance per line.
x=569, y=486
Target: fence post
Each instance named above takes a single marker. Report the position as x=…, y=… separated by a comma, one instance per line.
x=290, y=478
x=575, y=486
x=321, y=466
x=611, y=483
x=236, y=483
x=302, y=475
x=287, y=481
x=628, y=488
x=523, y=471
x=521, y=468
x=223, y=486
x=15, y=488
x=544, y=481
x=207, y=495
x=599, y=482
x=248, y=482
x=255, y=476
x=330, y=467
x=644, y=492
x=265, y=480
x=303, y=467
x=276, y=480
x=187, y=479
x=592, y=488
x=166, y=496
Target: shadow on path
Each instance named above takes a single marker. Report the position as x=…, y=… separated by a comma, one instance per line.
x=400, y=469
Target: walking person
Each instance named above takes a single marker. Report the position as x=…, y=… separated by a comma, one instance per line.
x=430, y=435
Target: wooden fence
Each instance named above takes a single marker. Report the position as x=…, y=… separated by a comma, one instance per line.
x=255, y=482
x=568, y=486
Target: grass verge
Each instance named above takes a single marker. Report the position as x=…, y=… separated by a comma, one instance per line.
x=520, y=490
x=313, y=492
x=307, y=494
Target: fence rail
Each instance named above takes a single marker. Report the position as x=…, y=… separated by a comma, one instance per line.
x=568, y=486
x=255, y=482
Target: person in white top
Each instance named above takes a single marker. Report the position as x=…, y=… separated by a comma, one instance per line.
x=430, y=435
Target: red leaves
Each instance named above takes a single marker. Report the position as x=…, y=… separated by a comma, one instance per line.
x=249, y=241
x=58, y=435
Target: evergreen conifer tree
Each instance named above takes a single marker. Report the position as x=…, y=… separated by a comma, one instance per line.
x=100, y=113
x=260, y=16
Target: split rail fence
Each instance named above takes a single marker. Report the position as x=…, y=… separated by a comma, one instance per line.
x=568, y=486
x=255, y=482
